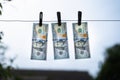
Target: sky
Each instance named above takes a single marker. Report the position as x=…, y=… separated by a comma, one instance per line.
x=18, y=35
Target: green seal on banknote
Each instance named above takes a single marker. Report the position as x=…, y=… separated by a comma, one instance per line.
x=40, y=31
x=59, y=30
x=79, y=30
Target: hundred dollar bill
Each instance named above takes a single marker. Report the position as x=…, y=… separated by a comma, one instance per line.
x=59, y=32
x=81, y=40
x=39, y=41
x=60, y=42
x=61, y=49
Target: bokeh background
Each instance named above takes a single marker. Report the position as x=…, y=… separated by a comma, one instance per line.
x=17, y=21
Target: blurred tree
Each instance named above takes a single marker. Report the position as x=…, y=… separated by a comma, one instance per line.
x=2, y=6
x=110, y=70
x=5, y=70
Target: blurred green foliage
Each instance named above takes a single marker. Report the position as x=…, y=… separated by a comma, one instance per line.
x=5, y=69
x=5, y=73
x=0, y=9
x=111, y=68
x=2, y=6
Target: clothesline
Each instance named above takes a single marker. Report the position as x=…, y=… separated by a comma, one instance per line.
x=55, y=20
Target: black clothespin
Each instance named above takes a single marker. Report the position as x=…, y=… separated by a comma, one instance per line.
x=79, y=17
x=40, y=18
x=59, y=18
